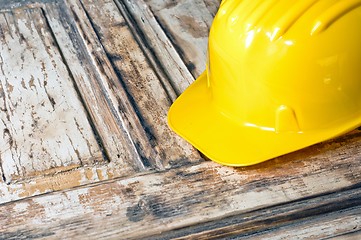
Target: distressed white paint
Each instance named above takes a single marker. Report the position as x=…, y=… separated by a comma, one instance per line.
x=170, y=199
x=42, y=121
x=146, y=120
x=166, y=200
x=21, y=207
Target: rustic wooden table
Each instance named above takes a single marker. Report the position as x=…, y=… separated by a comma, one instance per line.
x=85, y=151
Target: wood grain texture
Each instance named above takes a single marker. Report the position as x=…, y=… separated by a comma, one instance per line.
x=352, y=235
x=338, y=223
x=212, y=6
x=187, y=24
x=156, y=203
x=90, y=69
x=135, y=89
x=42, y=121
x=148, y=183
x=86, y=63
x=319, y=217
x=112, y=134
x=160, y=50
x=121, y=157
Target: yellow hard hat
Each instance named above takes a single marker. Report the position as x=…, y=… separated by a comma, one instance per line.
x=281, y=75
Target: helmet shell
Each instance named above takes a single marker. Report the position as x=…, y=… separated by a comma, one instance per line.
x=281, y=75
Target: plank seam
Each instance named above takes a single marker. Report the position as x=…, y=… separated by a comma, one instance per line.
x=148, y=51
x=76, y=87
x=144, y=161
x=133, y=20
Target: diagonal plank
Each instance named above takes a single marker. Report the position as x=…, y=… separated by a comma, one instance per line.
x=133, y=85
x=123, y=145
x=119, y=148
x=113, y=135
x=162, y=201
x=338, y=224
x=314, y=217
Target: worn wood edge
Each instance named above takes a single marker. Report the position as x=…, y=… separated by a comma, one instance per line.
x=157, y=46
x=64, y=178
x=73, y=175
x=142, y=84
x=212, y=6
x=320, y=227
x=114, y=136
x=178, y=198
x=293, y=215
x=356, y=235
x=125, y=112
x=57, y=179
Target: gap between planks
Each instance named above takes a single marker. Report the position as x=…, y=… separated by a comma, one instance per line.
x=136, y=91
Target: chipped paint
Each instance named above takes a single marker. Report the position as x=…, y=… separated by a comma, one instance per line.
x=146, y=120
x=113, y=193
x=43, y=122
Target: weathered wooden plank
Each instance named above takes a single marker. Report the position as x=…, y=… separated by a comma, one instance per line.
x=320, y=217
x=187, y=23
x=356, y=235
x=88, y=75
x=134, y=89
x=119, y=148
x=317, y=227
x=6, y=5
x=43, y=124
x=64, y=178
x=148, y=205
x=113, y=134
x=158, y=46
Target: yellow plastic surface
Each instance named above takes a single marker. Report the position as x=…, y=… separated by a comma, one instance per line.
x=281, y=75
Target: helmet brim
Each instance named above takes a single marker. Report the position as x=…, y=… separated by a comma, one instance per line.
x=194, y=117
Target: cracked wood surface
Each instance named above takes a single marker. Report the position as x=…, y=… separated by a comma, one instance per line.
x=131, y=139
x=150, y=101
x=157, y=45
x=157, y=144
x=43, y=123
x=124, y=62
x=291, y=191
x=126, y=104
x=113, y=136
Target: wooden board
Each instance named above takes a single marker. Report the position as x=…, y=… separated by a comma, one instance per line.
x=128, y=137
x=138, y=82
x=116, y=156
x=43, y=123
x=316, y=181
x=319, y=217
x=124, y=63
